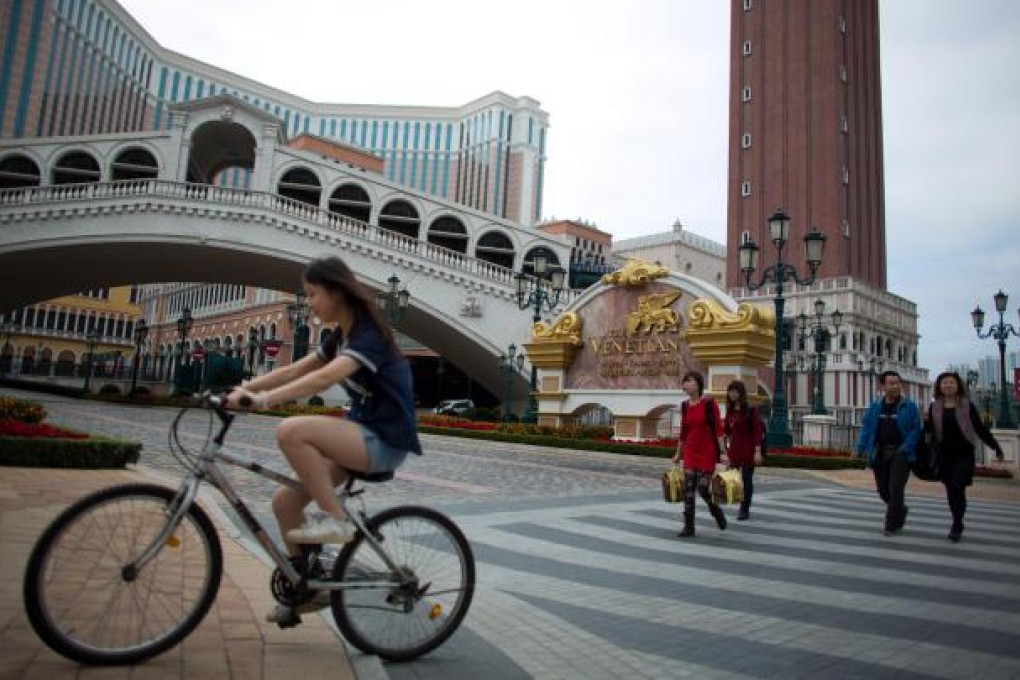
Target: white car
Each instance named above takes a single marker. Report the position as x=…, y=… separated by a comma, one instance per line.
x=453, y=407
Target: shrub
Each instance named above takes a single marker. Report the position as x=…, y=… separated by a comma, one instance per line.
x=92, y=453
x=18, y=428
x=109, y=388
x=141, y=391
x=316, y=401
x=21, y=410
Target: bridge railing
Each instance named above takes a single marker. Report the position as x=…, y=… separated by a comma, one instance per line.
x=259, y=200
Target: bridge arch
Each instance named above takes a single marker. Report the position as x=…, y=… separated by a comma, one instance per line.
x=399, y=214
x=20, y=169
x=217, y=145
x=449, y=232
x=351, y=199
x=134, y=160
x=497, y=247
x=299, y=182
x=76, y=166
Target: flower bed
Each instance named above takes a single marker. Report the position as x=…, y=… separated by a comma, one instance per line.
x=25, y=441
x=15, y=428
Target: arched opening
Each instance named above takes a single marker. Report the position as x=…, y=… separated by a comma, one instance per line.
x=528, y=266
x=351, y=201
x=495, y=247
x=449, y=232
x=134, y=163
x=76, y=167
x=593, y=415
x=223, y=154
x=65, y=364
x=401, y=217
x=19, y=171
x=302, y=185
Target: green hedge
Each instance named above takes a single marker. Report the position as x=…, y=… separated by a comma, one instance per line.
x=94, y=453
x=776, y=461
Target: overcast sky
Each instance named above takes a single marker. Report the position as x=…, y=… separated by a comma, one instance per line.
x=637, y=98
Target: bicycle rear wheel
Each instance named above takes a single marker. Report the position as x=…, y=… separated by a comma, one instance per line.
x=425, y=603
x=79, y=599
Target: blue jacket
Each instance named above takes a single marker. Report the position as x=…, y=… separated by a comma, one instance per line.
x=908, y=419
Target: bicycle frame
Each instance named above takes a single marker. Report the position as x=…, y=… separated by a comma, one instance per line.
x=207, y=469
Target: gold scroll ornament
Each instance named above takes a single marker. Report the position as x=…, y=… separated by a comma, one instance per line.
x=567, y=328
x=705, y=314
x=635, y=273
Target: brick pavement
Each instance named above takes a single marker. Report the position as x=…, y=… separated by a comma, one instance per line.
x=233, y=641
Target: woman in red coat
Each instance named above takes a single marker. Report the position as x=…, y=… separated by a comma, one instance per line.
x=699, y=445
x=744, y=430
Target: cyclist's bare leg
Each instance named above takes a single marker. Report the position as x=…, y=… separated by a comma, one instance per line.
x=317, y=447
x=289, y=505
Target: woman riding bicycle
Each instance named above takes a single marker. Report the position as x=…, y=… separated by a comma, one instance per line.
x=380, y=430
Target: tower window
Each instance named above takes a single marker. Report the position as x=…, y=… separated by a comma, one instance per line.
x=748, y=4
x=745, y=94
x=846, y=227
x=846, y=175
x=842, y=24
x=844, y=124
x=745, y=236
x=745, y=188
x=842, y=73
x=747, y=47
x=745, y=140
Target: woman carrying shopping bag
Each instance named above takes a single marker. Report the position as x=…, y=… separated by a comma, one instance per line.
x=744, y=429
x=700, y=447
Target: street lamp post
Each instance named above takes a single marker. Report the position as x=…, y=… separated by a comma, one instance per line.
x=141, y=332
x=546, y=286
x=253, y=343
x=874, y=365
x=814, y=329
x=511, y=362
x=184, y=325
x=394, y=301
x=91, y=339
x=297, y=315
x=814, y=243
x=999, y=331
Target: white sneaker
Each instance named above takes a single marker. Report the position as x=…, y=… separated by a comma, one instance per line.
x=326, y=529
x=281, y=613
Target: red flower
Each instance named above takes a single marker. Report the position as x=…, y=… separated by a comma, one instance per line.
x=15, y=428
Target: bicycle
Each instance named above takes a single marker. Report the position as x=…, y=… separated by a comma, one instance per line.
x=128, y=572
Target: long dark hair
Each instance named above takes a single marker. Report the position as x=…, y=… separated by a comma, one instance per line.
x=334, y=275
x=741, y=389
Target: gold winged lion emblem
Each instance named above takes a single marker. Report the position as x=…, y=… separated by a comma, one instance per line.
x=653, y=313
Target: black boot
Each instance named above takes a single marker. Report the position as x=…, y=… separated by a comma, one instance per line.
x=717, y=513
x=955, y=532
x=688, y=528
x=745, y=511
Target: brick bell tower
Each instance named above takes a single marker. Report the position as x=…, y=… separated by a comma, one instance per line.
x=805, y=133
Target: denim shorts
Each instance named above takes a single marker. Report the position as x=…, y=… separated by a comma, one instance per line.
x=381, y=456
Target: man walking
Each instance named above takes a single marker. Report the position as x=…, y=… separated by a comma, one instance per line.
x=889, y=434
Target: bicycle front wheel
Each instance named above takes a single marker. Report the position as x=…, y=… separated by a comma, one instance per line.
x=424, y=603
x=84, y=605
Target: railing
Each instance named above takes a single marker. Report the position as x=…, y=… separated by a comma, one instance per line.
x=258, y=200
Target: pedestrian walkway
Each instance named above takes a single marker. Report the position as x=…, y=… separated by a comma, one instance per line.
x=233, y=641
x=809, y=587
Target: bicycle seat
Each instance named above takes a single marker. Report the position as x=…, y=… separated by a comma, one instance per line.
x=384, y=476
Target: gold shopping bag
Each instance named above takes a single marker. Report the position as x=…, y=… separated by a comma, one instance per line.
x=728, y=487
x=673, y=485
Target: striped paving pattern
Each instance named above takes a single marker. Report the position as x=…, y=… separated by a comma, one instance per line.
x=809, y=587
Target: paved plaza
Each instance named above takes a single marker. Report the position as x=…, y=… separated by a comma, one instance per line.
x=581, y=573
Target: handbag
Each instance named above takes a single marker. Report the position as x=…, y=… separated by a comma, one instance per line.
x=927, y=463
x=673, y=485
x=728, y=487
